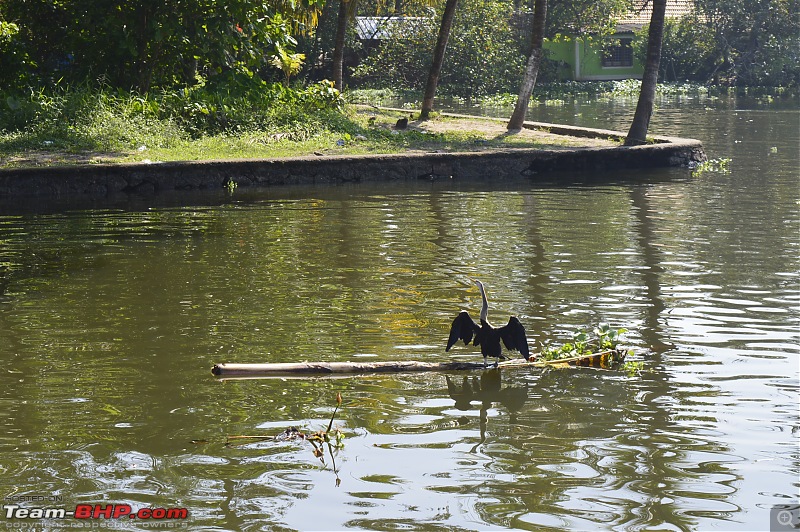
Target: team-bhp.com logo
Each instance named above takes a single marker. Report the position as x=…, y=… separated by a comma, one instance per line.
x=14, y=512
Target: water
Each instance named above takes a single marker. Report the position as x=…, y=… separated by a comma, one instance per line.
x=111, y=317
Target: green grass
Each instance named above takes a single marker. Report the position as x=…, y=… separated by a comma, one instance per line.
x=90, y=128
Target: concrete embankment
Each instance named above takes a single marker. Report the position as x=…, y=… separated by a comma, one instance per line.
x=144, y=178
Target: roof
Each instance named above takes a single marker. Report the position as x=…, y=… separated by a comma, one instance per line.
x=640, y=15
x=376, y=28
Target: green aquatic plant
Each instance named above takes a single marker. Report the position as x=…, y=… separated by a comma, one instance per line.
x=602, y=338
x=719, y=166
x=633, y=367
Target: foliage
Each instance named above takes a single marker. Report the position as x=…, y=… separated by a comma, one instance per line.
x=322, y=95
x=289, y=64
x=719, y=166
x=758, y=42
x=633, y=367
x=687, y=51
x=145, y=45
x=484, y=54
x=402, y=60
x=603, y=338
x=489, y=55
x=82, y=118
x=747, y=43
x=14, y=61
x=586, y=18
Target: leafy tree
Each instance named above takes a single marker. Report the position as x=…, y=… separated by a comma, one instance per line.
x=757, y=40
x=484, y=53
x=401, y=60
x=14, y=61
x=747, y=42
x=586, y=18
x=154, y=43
x=688, y=50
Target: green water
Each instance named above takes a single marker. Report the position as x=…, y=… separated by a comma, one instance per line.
x=111, y=317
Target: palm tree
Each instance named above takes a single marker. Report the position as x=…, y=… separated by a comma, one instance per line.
x=532, y=68
x=637, y=134
x=438, y=58
x=347, y=9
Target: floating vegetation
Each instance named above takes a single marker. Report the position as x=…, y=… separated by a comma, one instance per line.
x=503, y=99
x=582, y=344
x=603, y=341
x=632, y=367
x=331, y=438
x=719, y=166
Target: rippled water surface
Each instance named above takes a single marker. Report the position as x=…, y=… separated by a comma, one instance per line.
x=111, y=318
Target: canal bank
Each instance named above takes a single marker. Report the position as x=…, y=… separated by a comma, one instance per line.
x=99, y=180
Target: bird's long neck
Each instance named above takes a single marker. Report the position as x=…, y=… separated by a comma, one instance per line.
x=485, y=307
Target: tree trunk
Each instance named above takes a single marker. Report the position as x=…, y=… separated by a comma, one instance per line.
x=604, y=359
x=438, y=59
x=532, y=68
x=338, y=47
x=316, y=63
x=637, y=134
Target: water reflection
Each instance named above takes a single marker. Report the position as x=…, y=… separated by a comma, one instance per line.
x=486, y=389
x=111, y=318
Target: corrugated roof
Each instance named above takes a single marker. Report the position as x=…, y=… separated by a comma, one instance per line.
x=378, y=28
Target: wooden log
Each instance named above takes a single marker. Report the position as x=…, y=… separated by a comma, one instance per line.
x=605, y=359
x=326, y=368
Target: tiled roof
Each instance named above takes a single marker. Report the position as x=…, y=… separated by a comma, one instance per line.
x=640, y=16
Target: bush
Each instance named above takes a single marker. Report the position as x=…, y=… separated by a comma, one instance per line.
x=15, y=65
x=83, y=118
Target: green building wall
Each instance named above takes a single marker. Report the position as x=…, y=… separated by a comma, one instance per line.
x=580, y=61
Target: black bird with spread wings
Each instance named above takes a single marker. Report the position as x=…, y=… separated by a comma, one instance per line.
x=486, y=335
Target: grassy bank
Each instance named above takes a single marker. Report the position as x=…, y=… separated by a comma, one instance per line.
x=90, y=127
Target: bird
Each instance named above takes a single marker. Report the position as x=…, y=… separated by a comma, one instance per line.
x=402, y=123
x=486, y=335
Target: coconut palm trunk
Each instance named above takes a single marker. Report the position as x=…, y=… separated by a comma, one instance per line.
x=532, y=67
x=438, y=58
x=338, y=46
x=637, y=134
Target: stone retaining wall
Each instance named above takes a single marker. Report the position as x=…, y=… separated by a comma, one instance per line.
x=141, y=178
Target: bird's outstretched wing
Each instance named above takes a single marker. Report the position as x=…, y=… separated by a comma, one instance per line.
x=513, y=335
x=463, y=328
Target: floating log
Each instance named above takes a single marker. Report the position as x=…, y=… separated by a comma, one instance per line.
x=326, y=368
x=605, y=359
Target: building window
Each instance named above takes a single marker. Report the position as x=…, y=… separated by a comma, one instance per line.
x=618, y=54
